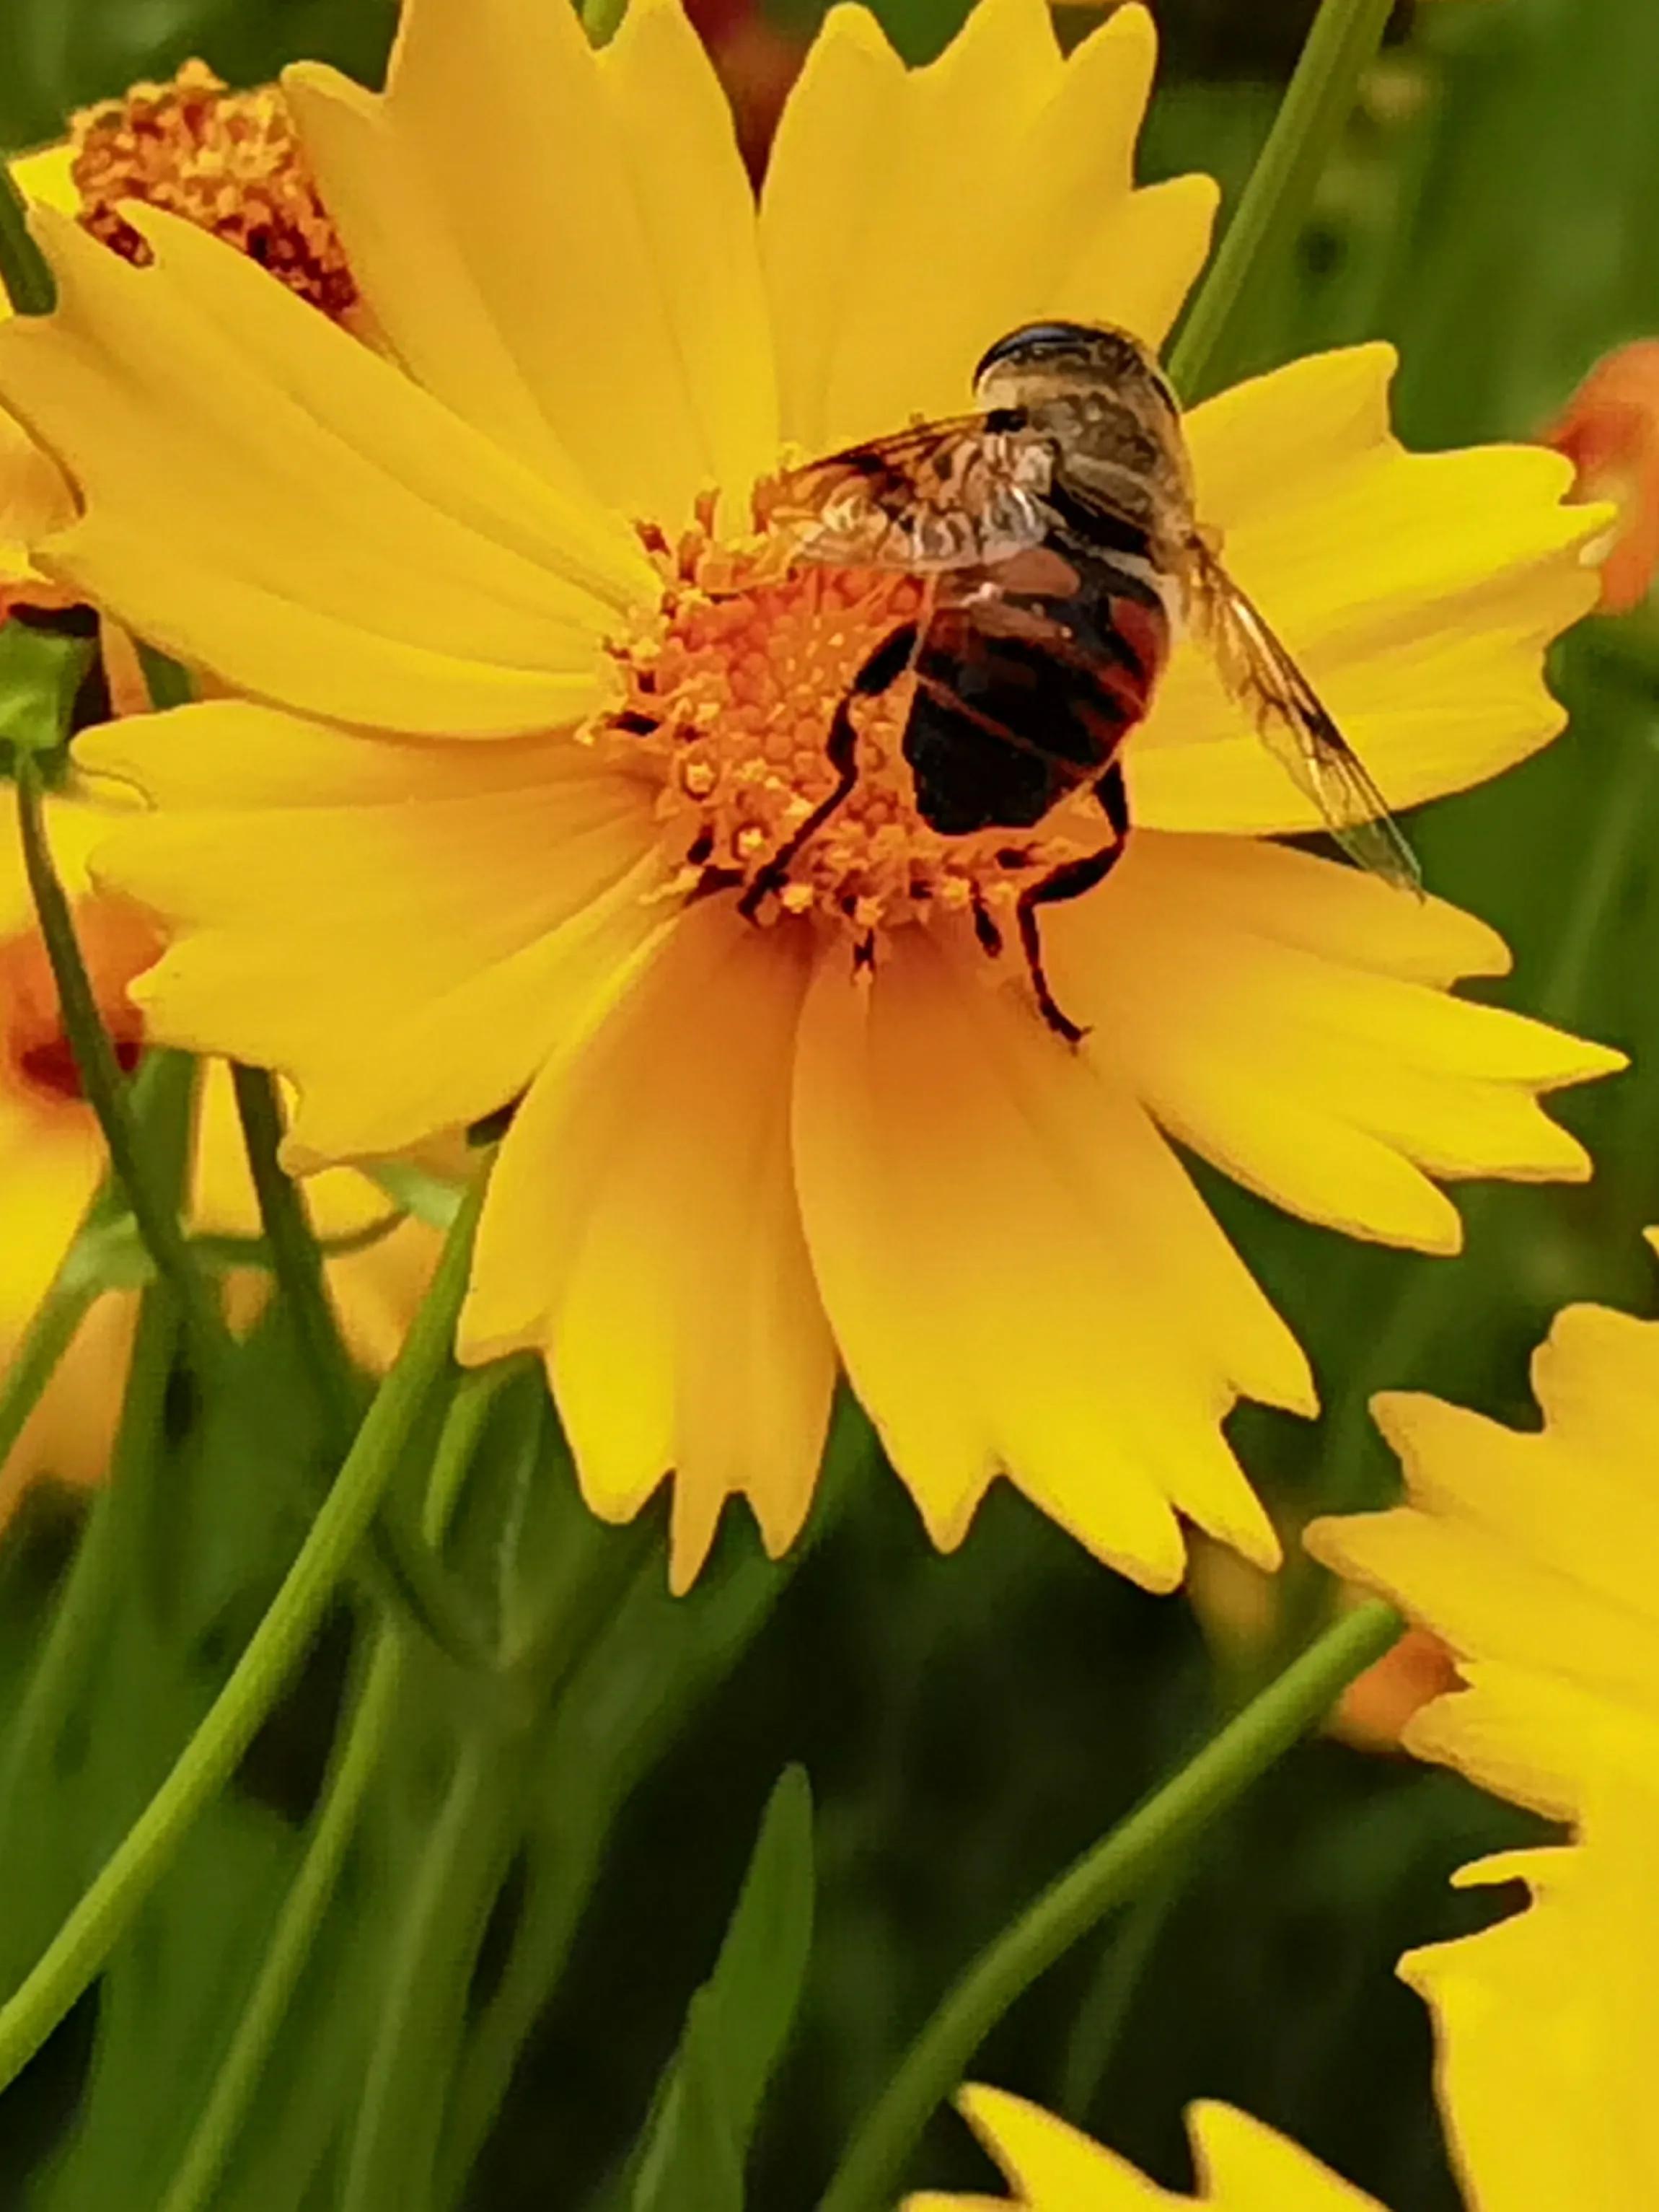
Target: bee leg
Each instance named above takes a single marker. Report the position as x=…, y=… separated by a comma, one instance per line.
x=879, y=672
x=1113, y=794
x=984, y=927
x=1069, y=881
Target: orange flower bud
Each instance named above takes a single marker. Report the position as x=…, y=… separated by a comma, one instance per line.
x=1609, y=430
x=1375, y=1706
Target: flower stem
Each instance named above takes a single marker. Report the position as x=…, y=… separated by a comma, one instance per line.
x=296, y=1260
x=1344, y=37
x=410, y=1572
x=235, y=2083
x=163, y=1099
x=1116, y=1868
x=105, y=1086
x=78, y=1951
x=24, y=270
x=351, y=1771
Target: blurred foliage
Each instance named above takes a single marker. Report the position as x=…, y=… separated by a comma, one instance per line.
x=968, y=1724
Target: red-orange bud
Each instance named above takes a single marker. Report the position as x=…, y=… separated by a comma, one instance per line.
x=1609, y=430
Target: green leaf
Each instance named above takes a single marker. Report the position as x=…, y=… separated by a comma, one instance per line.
x=692, y=2158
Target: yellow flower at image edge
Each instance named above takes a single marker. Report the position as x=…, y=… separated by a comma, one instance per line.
x=52, y=1160
x=1242, y=2166
x=1548, y=2025
x=1532, y=1554
x=506, y=679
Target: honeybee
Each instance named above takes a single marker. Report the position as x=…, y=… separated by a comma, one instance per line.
x=1055, y=526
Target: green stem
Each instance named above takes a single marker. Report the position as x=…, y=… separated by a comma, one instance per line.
x=105, y=1088
x=234, y=2086
x=394, y=2140
x=1117, y=1868
x=77, y=1953
x=163, y=1097
x=1105, y=2012
x=1344, y=39
x=169, y=682
x=24, y=270
x=296, y=1260
x=80, y=1622
x=410, y=1572
x=351, y=1771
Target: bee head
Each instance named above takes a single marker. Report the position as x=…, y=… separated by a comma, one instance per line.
x=1039, y=360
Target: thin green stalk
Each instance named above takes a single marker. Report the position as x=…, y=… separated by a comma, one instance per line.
x=105, y=1088
x=78, y=1951
x=1105, y=2012
x=1117, y=1868
x=394, y=2138
x=1270, y=209
x=408, y=1571
x=351, y=1771
x=237, y=2081
x=296, y=1260
x=615, y=1717
x=24, y=270
x=163, y=1099
x=80, y=1626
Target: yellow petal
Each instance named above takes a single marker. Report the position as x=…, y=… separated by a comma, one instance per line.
x=1547, y=2025
x=588, y=257
x=910, y=218
x=641, y=1228
x=47, y=175
x=1018, y=1273
x=409, y=941
x=34, y=499
x=1418, y=592
x=310, y=526
x=70, y=1435
x=1242, y=2165
x=1290, y=1041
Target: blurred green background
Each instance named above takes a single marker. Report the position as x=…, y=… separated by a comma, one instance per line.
x=970, y=1724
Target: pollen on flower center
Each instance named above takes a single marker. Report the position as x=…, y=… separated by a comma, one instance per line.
x=733, y=690
x=228, y=161
x=37, y=1064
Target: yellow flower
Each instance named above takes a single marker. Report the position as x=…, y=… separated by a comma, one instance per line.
x=227, y=160
x=736, y=1159
x=1531, y=1554
x=1547, y=2024
x=1242, y=2166
x=51, y=1161
x=1547, y=2031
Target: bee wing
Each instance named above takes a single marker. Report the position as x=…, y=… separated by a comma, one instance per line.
x=1258, y=673
x=959, y=494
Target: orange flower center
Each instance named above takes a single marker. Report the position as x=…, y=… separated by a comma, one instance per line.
x=733, y=692
x=117, y=942
x=228, y=161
